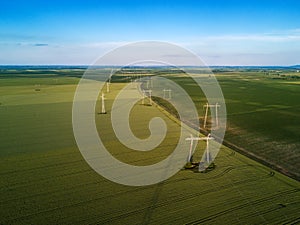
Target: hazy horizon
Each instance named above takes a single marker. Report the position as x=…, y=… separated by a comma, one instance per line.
x=88, y=65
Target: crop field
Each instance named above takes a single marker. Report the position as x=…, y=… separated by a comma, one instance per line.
x=45, y=180
x=266, y=118
x=263, y=114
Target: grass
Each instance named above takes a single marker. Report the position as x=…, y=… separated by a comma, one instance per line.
x=44, y=179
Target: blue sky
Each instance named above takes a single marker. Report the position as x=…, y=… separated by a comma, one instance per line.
x=220, y=32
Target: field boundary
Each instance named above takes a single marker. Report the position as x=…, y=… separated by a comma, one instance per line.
x=230, y=145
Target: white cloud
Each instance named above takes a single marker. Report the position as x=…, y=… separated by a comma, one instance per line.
x=279, y=36
x=276, y=48
x=273, y=48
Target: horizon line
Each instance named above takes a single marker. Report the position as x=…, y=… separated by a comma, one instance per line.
x=88, y=65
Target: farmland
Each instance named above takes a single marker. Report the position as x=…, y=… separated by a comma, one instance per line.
x=45, y=180
x=266, y=117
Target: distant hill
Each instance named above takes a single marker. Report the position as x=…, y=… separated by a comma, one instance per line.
x=295, y=67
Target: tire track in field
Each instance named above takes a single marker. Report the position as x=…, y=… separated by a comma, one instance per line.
x=126, y=213
x=232, y=153
x=108, y=220
x=270, y=108
x=292, y=221
x=174, y=200
x=255, y=202
x=224, y=172
x=161, y=204
x=88, y=170
x=158, y=188
x=133, y=212
x=121, y=192
x=270, y=209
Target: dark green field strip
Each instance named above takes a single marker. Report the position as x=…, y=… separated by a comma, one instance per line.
x=279, y=152
x=275, y=140
x=245, y=106
x=263, y=93
x=273, y=118
x=261, y=109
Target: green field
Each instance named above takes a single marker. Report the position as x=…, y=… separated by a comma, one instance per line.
x=263, y=114
x=44, y=179
x=265, y=119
